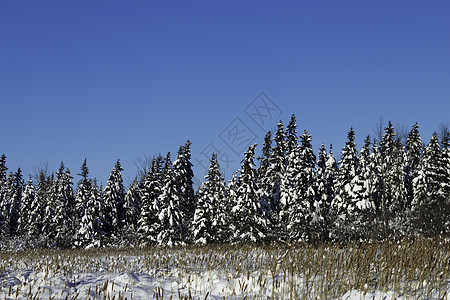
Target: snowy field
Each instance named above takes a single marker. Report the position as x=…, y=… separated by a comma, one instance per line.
x=419, y=270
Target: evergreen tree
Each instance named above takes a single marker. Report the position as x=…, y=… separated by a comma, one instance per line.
x=82, y=194
x=210, y=220
x=183, y=176
x=413, y=155
x=13, y=196
x=265, y=181
x=3, y=189
x=342, y=205
x=89, y=233
x=36, y=214
x=326, y=172
x=172, y=228
x=392, y=198
x=149, y=224
x=132, y=204
x=248, y=219
x=113, y=196
x=291, y=135
x=25, y=208
x=431, y=189
x=275, y=176
x=232, y=193
x=363, y=206
x=305, y=219
x=61, y=197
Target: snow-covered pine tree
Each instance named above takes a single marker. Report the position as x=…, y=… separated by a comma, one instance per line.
x=3, y=177
x=291, y=135
x=363, y=214
x=211, y=215
x=89, y=233
x=305, y=219
x=15, y=187
x=275, y=180
x=183, y=176
x=342, y=205
x=251, y=226
x=265, y=182
x=48, y=209
x=113, y=197
x=172, y=232
x=413, y=150
x=446, y=164
x=131, y=206
x=97, y=202
x=170, y=215
x=82, y=195
x=232, y=199
x=26, y=202
x=61, y=198
x=36, y=214
x=325, y=174
x=392, y=198
x=149, y=224
x=431, y=189
x=288, y=194
x=201, y=224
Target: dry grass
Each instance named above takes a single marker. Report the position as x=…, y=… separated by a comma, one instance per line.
x=414, y=269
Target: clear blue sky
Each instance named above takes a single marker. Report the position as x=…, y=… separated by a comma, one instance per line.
x=120, y=79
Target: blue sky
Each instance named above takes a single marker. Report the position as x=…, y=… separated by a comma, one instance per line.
x=115, y=79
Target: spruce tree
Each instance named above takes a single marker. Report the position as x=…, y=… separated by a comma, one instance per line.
x=28, y=197
x=113, y=196
x=305, y=219
x=211, y=215
x=89, y=233
x=363, y=214
x=325, y=172
x=392, y=197
x=413, y=150
x=82, y=194
x=36, y=214
x=342, y=205
x=248, y=218
x=431, y=189
x=131, y=206
x=275, y=177
x=183, y=177
x=263, y=180
x=61, y=198
x=172, y=231
x=149, y=224
x=232, y=196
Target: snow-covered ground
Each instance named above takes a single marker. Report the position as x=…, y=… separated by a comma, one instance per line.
x=235, y=273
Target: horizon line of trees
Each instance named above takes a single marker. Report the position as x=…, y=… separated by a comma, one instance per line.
x=390, y=189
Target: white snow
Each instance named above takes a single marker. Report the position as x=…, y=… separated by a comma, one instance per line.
x=171, y=274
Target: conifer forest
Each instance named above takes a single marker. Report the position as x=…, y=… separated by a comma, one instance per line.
x=388, y=189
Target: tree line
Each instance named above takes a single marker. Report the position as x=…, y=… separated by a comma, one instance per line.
x=389, y=189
